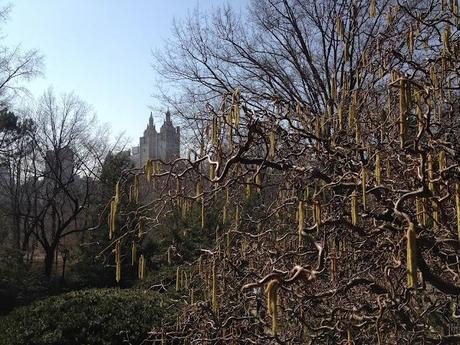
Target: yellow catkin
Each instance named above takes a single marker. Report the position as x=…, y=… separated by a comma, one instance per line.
x=442, y=161
x=168, y=255
x=403, y=105
x=301, y=220
x=418, y=110
x=141, y=227
x=117, y=192
x=136, y=188
x=378, y=169
x=446, y=39
x=236, y=107
x=363, y=185
x=318, y=131
x=340, y=28
x=133, y=253
x=354, y=208
x=198, y=189
x=118, y=261
x=148, y=169
x=317, y=214
x=214, y=288
x=272, y=303
x=411, y=257
x=178, y=186
x=352, y=110
x=141, y=267
x=333, y=88
x=177, y=279
x=340, y=115
x=372, y=9
x=248, y=190
x=202, y=213
x=457, y=206
x=271, y=152
x=192, y=301
x=410, y=40
x=420, y=210
x=259, y=180
x=430, y=173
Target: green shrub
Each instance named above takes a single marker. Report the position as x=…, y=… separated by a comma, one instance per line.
x=96, y=316
x=18, y=283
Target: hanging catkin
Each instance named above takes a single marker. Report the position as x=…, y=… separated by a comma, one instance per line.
x=149, y=170
x=177, y=279
x=136, y=188
x=442, y=161
x=378, y=169
x=301, y=220
x=258, y=180
x=237, y=216
x=202, y=213
x=272, y=303
x=317, y=214
x=112, y=217
x=117, y=192
x=272, y=149
x=411, y=257
x=457, y=206
x=340, y=28
x=430, y=173
x=420, y=210
x=372, y=9
x=118, y=261
x=133, y=253
x=334, y=88
x=363, y=186
x=248, y=190
x=236, y=106
x=141, y=268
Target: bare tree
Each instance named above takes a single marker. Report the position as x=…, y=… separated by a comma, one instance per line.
x=16, y=66
x=331, y=137
x=64, y=161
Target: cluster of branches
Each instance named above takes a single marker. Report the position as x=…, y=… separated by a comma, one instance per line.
x=329, y=134
x=49, y=176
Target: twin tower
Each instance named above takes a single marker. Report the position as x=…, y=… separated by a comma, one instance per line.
x=164, y=145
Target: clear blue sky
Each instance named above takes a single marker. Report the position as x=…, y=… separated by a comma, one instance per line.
x=101, y=50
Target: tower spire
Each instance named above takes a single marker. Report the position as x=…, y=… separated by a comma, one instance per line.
x=151, y=120
x=168, y=116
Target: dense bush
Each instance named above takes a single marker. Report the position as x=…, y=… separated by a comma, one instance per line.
x=18, y=284
x=96, y=316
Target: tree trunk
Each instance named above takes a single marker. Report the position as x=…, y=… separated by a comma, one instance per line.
x=49, y=260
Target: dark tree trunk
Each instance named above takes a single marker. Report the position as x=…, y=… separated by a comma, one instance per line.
x=49, y=260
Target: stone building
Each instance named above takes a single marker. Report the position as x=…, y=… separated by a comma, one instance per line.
x=60, y=165
x=164, y=145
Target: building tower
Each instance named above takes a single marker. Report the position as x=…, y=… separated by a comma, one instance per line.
x=163, y=145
